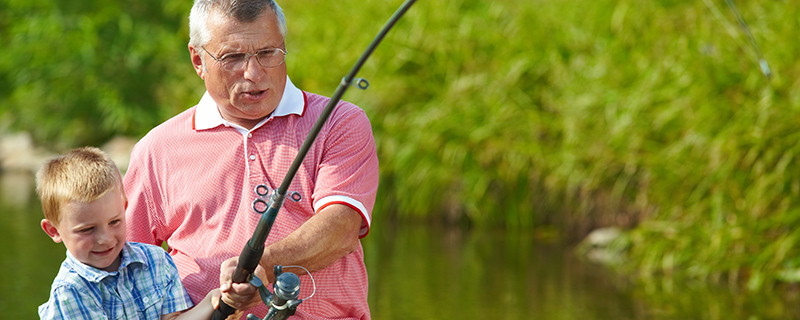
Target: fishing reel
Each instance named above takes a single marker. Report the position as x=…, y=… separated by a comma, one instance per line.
x=283, y=302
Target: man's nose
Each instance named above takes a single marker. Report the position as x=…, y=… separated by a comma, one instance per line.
x=252, y=69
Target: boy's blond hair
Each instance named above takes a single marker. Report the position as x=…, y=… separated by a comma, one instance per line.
x=84, y=175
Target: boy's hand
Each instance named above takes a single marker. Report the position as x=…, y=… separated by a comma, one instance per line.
x=240, y=296
x=215, y=296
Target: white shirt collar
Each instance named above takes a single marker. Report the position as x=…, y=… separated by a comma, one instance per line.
x=207, y=116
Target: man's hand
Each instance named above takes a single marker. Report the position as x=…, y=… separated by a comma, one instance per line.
x=240, y=296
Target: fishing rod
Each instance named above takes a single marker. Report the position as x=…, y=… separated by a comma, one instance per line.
x=254, y=249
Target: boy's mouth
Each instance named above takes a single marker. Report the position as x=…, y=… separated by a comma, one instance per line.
x=103, y=252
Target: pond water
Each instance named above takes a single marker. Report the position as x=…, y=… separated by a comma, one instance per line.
x=422, y=272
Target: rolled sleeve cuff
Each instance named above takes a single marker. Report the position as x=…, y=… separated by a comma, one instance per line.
x=350, y=202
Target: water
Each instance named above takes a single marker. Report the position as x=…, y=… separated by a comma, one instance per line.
x=421, y=272
x=29, y=259
x=425, y=272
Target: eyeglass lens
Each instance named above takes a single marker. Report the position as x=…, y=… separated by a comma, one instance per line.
x=266, y=58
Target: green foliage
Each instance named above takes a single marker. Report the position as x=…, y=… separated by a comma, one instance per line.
x=81, y=72
x=651, y=115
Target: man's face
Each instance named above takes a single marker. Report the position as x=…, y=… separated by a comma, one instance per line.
x=93, y=232
x=250, y=94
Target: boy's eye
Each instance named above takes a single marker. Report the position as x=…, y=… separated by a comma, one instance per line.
x=115, y=222
x=87, y=230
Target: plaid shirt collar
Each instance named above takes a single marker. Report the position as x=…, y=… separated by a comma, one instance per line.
x=129, y=257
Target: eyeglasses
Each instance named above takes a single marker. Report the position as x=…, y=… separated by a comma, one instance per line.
x=234, y=61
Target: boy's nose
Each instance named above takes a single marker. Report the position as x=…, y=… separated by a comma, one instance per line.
x=104, y=236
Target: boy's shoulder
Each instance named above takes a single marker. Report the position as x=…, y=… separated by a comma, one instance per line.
x=71, y=292
x=148, y=253
x=150, y=248
x=70, y=278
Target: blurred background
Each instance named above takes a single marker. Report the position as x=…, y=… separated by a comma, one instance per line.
x=539, y=159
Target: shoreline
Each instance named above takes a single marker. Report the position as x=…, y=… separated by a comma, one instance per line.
x=19, y=154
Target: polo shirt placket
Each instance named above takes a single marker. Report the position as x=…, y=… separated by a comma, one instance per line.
x=254, y=164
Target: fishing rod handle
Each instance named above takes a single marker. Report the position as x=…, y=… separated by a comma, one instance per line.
x=222, y=311
x=248, y=261
x=252, y=251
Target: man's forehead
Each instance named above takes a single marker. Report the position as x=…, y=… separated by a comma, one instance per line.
x=228, y=32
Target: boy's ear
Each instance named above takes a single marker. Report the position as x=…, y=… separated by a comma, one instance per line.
x=51, y=230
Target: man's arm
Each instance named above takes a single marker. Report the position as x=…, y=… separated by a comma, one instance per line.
x=328, y=236
x=322, y=240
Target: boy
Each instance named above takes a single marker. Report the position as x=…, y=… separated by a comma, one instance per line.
x=104, y=276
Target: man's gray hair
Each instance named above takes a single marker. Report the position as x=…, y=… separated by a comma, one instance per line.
x=241, y=10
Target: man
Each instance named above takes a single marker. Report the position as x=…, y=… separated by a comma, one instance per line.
x=191, y=180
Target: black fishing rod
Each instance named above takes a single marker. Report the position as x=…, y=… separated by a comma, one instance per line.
x=254, y=249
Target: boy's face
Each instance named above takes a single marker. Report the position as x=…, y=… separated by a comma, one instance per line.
x=94, y=232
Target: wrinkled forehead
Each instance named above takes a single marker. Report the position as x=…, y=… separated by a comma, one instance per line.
x=228, y=33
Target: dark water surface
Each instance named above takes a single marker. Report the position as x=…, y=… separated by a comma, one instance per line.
x=422, y=272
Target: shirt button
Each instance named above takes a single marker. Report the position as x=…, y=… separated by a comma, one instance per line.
x=249, y=135
x=252, y=157
x=146, y=300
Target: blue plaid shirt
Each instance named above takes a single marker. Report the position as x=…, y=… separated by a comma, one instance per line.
x=146, y=286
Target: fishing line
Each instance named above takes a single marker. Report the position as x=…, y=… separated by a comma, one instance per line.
x=313, y=283
x=762, y=62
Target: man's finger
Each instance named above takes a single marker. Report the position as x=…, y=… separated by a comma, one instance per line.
x=227, y=268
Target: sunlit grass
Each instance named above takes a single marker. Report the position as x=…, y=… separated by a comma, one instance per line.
x=649, y=115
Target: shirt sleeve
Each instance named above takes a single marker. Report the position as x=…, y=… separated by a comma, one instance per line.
x=143, y=225
x=348, y=173
x=69, y=303
x=175, y=297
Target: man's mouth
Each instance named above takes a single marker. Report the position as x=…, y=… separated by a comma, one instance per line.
x=255, y=92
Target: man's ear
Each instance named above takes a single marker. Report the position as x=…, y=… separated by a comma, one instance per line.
x=197, y=61
x=51, y=230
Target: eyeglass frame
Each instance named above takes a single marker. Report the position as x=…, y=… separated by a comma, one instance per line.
x=247, y=56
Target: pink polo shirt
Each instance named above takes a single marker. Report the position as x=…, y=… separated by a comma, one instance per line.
x=191, y=183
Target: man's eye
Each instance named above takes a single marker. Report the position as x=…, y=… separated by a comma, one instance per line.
x=266, y=53
x=233, y=57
